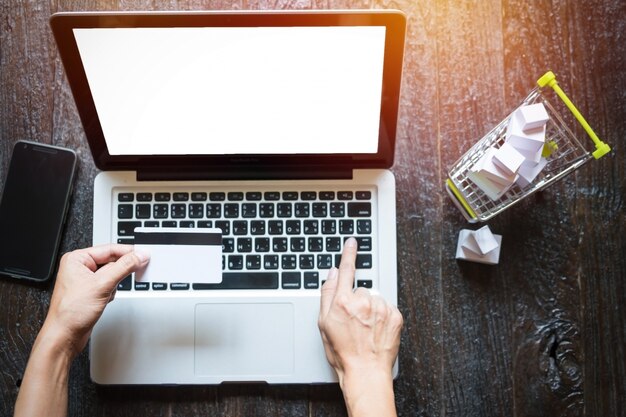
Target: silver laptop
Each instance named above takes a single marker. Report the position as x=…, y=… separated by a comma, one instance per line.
x=277, y=128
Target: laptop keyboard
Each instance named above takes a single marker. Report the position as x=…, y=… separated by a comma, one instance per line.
x=270, y=240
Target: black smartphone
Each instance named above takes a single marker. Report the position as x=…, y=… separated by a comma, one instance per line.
x=33, y=207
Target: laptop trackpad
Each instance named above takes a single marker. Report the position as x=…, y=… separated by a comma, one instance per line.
x=250, y=340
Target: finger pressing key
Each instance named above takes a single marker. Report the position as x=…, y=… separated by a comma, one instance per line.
x=347, y=266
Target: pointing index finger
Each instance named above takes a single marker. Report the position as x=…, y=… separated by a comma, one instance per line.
x=347, y=266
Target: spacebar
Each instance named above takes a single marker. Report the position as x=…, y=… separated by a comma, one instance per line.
x=243, y=281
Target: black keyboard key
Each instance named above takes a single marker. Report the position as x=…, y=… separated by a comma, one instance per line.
x=297, y=244
x=327, y=195
x=324, y=261
x=235, y=196
x=316, y=244
x=364, y=283
x=359, y=209
x=253, y=196
x=344, y=195
x=187, y=224
x=244, y=244
x=240, y=227
x=178, y=211
x=160, y=211
x=224, y=225
x=231, y=210
x=213, y=210
x=125, y=197
x=308, y=195
x=311, y=280
x=126, y=241
x=257, y=227
x=364, y=227
x=320, y=209
x=363, y=195
x=162, y=196
x=235, y=262
x=266, y=210
x=248, y=210
x=292, y=227
x=144, y=196
x=181, y=196
x=364, y=261
x=346, y=227
x=333, y=244
x=271, y=195
x=302, y=209
x=337, y=209
x=262, y=244
x=125, y=211
x=243, y=281
x=151, y=224
x=291, y=280
x=306, y=261
x=217, y=196
x=179, y=286
x=270, y=261
x=127, y=228
x=290, y=195
x=196, y=211
x=228, y=245
x=288, y=261
x=142, y=286
x=169, y=223
x=279, y=244
x=159, y=286
x=126, y=283
x=205, y=223
x=198, y=196
x=329, y=227
x=275, y=227
x=364, y=243
x=253, y=261
x=284, y=209
x=311, y=227
x=142, y=211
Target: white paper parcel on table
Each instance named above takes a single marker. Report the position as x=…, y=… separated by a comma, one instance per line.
x=180, y=255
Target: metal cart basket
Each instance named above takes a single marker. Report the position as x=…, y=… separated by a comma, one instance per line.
x=564, y=154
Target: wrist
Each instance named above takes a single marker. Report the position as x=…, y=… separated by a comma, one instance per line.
x=55, y=341
x=368, y=391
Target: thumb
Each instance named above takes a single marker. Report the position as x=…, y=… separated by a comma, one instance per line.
x=114, y=272
x=328, y=291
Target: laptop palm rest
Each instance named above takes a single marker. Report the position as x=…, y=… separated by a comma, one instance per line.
x=247, y=340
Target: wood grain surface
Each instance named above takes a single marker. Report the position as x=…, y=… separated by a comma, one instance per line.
x=541, y=334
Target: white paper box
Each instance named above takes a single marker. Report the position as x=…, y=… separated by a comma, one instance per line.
x=490, y=258
x=528, y=172
x=488, y=169
x=508, y=159
x=533, y=116
x=528, y=140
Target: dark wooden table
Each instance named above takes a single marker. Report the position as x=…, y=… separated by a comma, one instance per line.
x=543, y=333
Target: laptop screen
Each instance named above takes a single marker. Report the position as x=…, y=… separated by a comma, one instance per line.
x=242, y=90
x=232, y=94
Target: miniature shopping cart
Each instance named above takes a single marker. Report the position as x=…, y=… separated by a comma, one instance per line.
x=564, y=154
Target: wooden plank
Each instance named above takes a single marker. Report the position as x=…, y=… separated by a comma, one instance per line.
x=476, y=318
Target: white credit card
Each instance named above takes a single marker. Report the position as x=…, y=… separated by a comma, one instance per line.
x=180, y=255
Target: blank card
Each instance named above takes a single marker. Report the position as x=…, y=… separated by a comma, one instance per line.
x=180, y=255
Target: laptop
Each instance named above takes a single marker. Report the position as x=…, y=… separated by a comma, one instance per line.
x=277, y=128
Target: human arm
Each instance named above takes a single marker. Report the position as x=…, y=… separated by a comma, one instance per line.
x=85, y=283
x=361, y=336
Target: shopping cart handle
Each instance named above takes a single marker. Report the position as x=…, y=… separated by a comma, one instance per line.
x=549, y=79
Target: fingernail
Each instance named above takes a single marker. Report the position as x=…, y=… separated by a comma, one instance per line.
x=142, y=256
x=332, y=274
x=350, y=243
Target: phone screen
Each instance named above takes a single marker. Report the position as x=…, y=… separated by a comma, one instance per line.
x=32, y=210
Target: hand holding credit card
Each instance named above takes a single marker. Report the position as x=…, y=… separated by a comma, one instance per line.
x=180, y=255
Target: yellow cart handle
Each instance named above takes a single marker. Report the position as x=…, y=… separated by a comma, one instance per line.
x=549, y=79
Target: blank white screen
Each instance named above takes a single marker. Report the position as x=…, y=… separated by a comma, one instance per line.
x=211, y=91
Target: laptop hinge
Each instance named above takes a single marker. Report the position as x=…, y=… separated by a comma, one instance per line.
x=258, y=173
